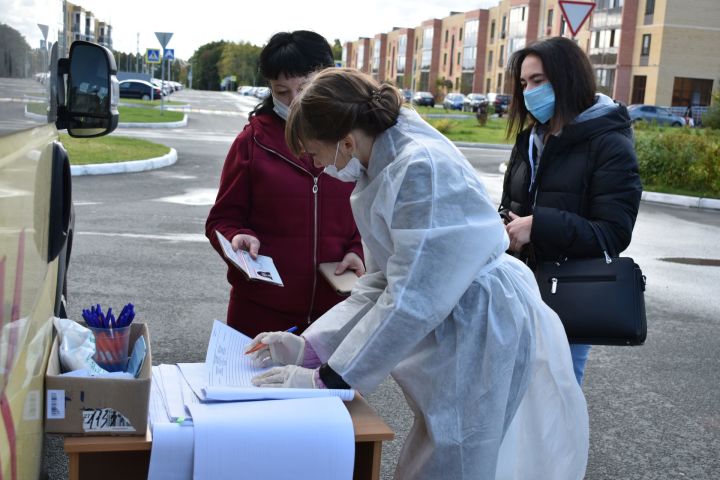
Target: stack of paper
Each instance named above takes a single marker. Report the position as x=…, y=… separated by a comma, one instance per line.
x=218, y=440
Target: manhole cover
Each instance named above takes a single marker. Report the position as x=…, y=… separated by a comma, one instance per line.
x=703, y=262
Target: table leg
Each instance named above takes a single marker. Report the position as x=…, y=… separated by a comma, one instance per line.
x=367, y=460
x=74, y=466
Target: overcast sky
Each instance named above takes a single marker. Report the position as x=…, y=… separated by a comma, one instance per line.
x=194, y=24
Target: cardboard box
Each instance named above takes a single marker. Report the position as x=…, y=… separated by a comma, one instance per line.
x=95, y=405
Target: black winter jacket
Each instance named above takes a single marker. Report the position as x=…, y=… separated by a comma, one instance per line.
x=587, y=173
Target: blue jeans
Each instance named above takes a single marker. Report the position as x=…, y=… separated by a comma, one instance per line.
x=579, y=353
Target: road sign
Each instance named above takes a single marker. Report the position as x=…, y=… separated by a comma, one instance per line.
x=152, y=55
x=169, y=54
x=576, y=13
x=163, y=38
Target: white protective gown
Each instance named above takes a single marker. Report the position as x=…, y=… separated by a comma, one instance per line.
x=459, y=324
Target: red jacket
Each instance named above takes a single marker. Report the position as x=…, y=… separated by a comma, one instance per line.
x=301, y=216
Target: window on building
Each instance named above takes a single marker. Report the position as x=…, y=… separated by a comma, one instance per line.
x=550, y=18
x=638, y=89
x=522, y=15
x=487, y=86
x=562, y=26
x=446, y=36
x=597, y=39
x=645, y=51
x=501, y=57
x=649, y=7
x=502, y=30
x=458, y=58
x=460, y=36
x=490, y=59
x=444, y=59
x=492, y=30
x=691, y=91
x=499, y=84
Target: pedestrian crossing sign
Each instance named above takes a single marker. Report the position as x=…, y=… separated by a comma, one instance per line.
x=169, y=54
x=152, y=55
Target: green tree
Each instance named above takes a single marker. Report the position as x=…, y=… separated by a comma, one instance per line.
x=241, y=60
x=205, y=66
x=15, y=53
x=337, y=50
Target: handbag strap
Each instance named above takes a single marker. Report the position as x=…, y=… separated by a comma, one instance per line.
x=601, y=240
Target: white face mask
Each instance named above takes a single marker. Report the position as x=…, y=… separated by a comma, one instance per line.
x=282, y=110
x=349, y=173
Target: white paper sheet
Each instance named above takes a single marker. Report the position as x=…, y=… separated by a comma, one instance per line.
x=228, y=372
x=277, y=439
x=171, y=457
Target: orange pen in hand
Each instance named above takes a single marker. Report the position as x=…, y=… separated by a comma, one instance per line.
x=261, y=345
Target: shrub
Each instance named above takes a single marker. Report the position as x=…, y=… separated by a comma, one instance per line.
x=711, y=118
x=680, y=158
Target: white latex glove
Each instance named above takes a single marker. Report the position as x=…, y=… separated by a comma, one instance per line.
x=283, y=349
x=289, y=376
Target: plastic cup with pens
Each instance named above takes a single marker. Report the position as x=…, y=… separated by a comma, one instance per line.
x=112, y=336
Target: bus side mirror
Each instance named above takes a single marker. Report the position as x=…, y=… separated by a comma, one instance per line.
x=91, y=89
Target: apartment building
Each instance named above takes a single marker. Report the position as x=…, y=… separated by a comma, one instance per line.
x=81, y=24
x=642, y=51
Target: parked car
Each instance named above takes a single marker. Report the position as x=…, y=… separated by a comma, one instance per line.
x=501, y=103
x=407, y=95
x=139, y=89
x=245, y=90
x=454, y=101
x=652, y=113
x=423, y=99
x=473, y=101
x=262, y=92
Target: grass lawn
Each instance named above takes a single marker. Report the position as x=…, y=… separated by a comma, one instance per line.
x=470, y=130
x=127, y=114
x=109, y=149
x=148, y=115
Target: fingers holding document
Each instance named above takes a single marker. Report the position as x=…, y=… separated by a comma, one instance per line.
x=289, y=376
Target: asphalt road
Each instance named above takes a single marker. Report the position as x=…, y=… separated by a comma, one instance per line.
x=653, y=409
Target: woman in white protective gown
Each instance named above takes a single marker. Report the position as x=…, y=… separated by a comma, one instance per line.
x=484, y=364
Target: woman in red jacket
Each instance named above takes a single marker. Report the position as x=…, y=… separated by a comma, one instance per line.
x=275, y=203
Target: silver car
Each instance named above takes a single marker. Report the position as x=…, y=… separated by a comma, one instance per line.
x=651, y=113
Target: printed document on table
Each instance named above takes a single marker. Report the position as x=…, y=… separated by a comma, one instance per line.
x=176, y=392
x=228, y=372
x=277, y=439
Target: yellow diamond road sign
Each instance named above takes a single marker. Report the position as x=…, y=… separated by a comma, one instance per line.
x=152, y=55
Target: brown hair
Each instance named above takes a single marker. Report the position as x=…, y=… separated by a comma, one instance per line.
x=568, y=70
x=337, y=101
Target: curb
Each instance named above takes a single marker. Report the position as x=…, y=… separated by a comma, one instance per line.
x=492, y=146
x=181, y=123
x=130, y=166
x=682, y=200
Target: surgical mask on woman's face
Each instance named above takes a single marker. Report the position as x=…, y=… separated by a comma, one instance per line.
x=349, y=173
x=540, y=102
x=282, y=110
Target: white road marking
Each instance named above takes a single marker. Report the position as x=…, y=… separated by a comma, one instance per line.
x=169, y=237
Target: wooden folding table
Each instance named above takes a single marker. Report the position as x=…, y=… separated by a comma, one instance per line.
x=113, y=457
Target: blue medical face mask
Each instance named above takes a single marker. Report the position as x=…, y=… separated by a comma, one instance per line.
x=540, y=102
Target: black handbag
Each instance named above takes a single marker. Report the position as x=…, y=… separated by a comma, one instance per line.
x=600, y=301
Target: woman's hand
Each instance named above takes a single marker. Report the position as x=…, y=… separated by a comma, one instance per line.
x=519, y=231
x=246, y=242
x=353, y=262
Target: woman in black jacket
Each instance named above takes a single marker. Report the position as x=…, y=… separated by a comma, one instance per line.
x=573, y=162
